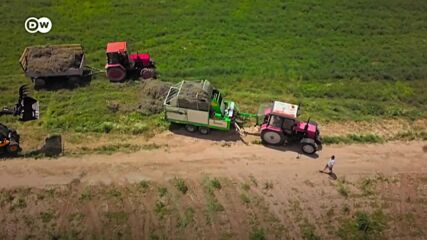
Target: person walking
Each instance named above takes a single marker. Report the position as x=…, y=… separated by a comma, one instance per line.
x=330, y=165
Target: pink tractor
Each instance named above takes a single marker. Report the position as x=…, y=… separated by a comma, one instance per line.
x=279, y=125
x=120, y=64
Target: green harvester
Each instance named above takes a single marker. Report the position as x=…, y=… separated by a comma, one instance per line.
x=200, y=106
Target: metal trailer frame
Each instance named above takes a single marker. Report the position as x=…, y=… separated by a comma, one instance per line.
x=69, y=73
x=198, y=118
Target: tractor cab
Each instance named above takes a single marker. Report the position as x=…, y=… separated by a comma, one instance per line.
x=117, y=54
x=279, y=124
x=279, y=115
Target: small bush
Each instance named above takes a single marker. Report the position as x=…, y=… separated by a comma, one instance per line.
x=114, y=193
x=160, y=209
x=47, y=216
x=215, y=183
x=180, y=185
x=162, y=191
x=144, y=185
x=343, y=189
x=188, y=217
x=86, y=195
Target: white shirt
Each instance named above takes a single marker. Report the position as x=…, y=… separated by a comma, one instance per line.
x=331, y=162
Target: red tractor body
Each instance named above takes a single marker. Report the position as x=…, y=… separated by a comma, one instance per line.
x=279, y=125
x=121, y=64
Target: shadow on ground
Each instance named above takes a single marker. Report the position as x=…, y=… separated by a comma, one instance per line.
x=214, y=135
x=292, y=147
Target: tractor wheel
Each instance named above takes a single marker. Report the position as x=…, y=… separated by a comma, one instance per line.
x=74, y=82
x=39, y=83
x=12, y=148
x=272, y=137
x=204, y=130
x=309, y=146
x=190, y=128
x=116, y=74
x=148, y=73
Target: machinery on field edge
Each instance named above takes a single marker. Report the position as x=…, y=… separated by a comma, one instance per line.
x=199, y=106
x=27, y=109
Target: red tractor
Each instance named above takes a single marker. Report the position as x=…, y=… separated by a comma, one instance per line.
x=120, y=64
x=279, y=125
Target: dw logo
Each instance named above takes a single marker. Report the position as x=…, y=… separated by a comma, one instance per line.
x=33, y=25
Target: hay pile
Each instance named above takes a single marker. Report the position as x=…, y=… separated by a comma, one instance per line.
x=193, y=96
x=153, y=94
x=47, y=60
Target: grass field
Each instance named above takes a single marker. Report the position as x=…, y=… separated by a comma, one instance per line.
x=341, y=60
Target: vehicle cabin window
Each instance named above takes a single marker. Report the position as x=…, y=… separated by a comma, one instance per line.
x=275, y=121
x=288, y=124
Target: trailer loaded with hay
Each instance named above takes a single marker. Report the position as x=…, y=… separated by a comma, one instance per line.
x=199, y=106
x=55, y=65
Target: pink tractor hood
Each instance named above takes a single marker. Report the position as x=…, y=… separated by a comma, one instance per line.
x=311, y=130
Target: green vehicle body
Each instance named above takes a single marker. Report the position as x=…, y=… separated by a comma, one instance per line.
x=214, y=113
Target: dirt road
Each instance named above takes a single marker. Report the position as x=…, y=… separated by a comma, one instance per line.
x=259, y=191
x=190, y=157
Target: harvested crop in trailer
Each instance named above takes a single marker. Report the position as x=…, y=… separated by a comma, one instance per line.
x=45, y=60
x=193, y=95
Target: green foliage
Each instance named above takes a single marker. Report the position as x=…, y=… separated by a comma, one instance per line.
x=180, y=185
x=308, y=231
x=369, y=64
x=111, y=148
x=209, y=187
x=86, y=195
x=352, y=138
x=187, y=218
x=364, y=226
x=115, y=194
x=367, y=186
x=245, y=199
x=162, y=191
x=257, y=234
x=215, y=183
x=144, y=185
x=47, y=216
x=160, y=209
x=342, y=189
x=18, y=203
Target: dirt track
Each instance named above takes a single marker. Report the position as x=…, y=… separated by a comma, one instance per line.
x=262, y=188
x=190, y=157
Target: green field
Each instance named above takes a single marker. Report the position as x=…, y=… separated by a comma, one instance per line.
x=341, y=60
